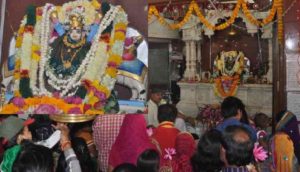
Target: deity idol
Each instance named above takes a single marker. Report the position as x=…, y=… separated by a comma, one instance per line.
x=67, y=51
x=67, y=58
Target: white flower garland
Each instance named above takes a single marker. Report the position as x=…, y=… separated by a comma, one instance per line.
x=98, y=65
x=72, y=82
x=26, y=51
x=45, y=34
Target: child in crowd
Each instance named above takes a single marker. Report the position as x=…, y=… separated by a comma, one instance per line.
x=148, y=161
x=262, y=122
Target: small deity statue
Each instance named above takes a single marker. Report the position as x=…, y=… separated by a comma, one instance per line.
x=229, y=63
x=69, y=49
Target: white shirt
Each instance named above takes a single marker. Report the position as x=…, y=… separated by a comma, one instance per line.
x=152, y=117
x=180, y=124
x=152, y=113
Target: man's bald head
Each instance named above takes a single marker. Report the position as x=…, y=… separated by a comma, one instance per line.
x=238, y=146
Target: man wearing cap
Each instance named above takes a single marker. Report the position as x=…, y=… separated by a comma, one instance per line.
x=14, y=130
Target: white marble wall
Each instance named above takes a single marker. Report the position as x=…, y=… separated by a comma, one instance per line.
x=256, y=97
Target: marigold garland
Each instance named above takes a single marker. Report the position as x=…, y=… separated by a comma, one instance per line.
x=277, y=7
x=219, y=89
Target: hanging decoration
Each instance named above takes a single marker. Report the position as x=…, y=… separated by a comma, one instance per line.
x=277, y=8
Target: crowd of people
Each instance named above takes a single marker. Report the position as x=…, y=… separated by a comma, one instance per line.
x=157, y=142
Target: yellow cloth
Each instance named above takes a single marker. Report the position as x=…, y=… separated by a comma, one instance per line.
x=283, y=153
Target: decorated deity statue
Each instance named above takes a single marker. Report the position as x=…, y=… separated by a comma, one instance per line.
x=229, y=63
x=228, y=67
x=67, y=58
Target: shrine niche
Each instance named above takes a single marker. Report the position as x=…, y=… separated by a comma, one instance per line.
x=214, y=71
x=230, y=74
x=67, y=59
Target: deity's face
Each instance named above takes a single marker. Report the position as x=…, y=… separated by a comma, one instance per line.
x=229, y=62
x=76, y=34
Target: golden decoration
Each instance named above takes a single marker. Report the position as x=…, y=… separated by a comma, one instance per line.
x=72, y=118
x=76, y=21
x=73, y=45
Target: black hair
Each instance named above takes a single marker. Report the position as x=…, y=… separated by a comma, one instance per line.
x=261, y=120
x=207, y=157
x=239, y=151
x=167, y=112
x=125, y=167
x=230, y=107
x=244, y=119
x=82, y=153
x=148, y=161
x=33, y=158
x=195, y=136
x=42, y=128
x=76, y=127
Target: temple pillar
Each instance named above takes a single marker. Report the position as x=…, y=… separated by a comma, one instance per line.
x=199, y=60
x=191, y=35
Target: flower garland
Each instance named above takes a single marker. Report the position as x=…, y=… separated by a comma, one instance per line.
x=97, y=72
x=219, y=89
x=21, y=105
x=99, y=90
x=193, y=7
x=45, y=35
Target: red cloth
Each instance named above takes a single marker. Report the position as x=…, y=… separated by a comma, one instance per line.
x=185, y=148
x=131, y=141
x=165, y=135
x=105, y=131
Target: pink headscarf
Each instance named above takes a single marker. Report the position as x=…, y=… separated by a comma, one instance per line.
x=185, y=148
x=131, y=141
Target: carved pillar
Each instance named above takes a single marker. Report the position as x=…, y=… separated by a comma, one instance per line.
x=190, y=72
x=187, y=60
x=193, y=60
x=199, y=60
x=191, y=33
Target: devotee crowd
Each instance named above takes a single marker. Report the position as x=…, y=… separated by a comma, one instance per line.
x=156, y=142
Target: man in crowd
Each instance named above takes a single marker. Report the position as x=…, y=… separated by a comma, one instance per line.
x=237, y=149
x=232, y=110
